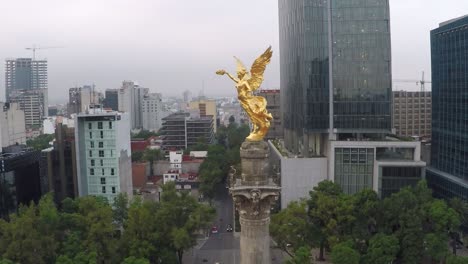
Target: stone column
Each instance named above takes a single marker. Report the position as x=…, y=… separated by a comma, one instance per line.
x=253, y=195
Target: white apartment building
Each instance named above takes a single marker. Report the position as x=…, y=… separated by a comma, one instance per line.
x=12, y=127
x=152, y=111
x=130, y=99
x=103, y=153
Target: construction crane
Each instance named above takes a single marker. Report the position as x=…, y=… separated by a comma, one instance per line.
x=420, y=82
x=34, y=48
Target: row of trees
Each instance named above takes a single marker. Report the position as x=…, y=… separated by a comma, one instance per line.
x=221, y=156
x=408, y=227
x=90, y=230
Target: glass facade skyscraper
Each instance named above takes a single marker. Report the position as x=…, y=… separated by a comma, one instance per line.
x=335, y=61
x=448, y=174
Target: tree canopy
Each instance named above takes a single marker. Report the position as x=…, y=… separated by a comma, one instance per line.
x=408, y=227
x=90, y=230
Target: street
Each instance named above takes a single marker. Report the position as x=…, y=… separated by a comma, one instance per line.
x=222, y=247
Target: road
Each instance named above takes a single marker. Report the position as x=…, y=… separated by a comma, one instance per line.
x=223, y=247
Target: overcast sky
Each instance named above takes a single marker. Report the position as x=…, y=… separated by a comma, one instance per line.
x=173, y=45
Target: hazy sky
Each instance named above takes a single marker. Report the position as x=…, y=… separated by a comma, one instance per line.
x=173, y=45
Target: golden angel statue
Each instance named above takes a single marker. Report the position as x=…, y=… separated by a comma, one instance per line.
x=254, y=106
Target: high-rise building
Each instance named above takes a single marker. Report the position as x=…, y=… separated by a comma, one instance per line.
x=12, y=127
x=206, y=108
x=187, y=96
x=335, y=70
x=152, y=111
x=130, y=99
x=336, y=100
x=34, y=105
x=80, y=98
x=103, y=154
x=25, y=74
x=58, y=165
x=26, y=83
x=448, y=172
x=412, y=113
x=112, y=99
x=182, y=130
x=274, y=107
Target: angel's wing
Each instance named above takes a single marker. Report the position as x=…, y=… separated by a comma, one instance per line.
x=258, y=68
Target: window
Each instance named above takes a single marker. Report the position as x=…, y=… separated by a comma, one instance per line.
x=90, y=126
x=92, y=144
x=102, y=163
x=91, y=171
x=102, y=134
x=110, y=125
x=112, y=153
x=103, y=172
x=101, y=153
x=90, y=134
x=113, y=189
x=103, y=180
x=112, y=171
x=103, y=189
x=99, y=125
x=90, y=153
x=92, y=162
x=101, y=144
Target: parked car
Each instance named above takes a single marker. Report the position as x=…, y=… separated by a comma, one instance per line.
x=229, y=228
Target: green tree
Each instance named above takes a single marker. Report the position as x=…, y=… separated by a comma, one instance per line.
x=457, y=260
x=301, y=256
x=344, y=253
x=181, y=217
x=152, y=155
x=383, y=249
x=41, y=142
x=120, y=210
x=232, y=119
x=144, y=134
x=290, y=228
x=137, y=156
x=133, y=260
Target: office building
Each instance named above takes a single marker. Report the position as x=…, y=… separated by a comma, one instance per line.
x=26, y=83
x=187, y=96
x=112, y=99
x=412, y=113
x=206, y=108
x=103, y=154
x=25, y=74
x=19, y=178
x=336, y=100
x=12, y=127
x=183, y=130
x=34, y=105
x=130, y=99
x=152, y=111
x=349, y=93
x=58, y=165
x=274, y=107
x=448, y=172
x=79, y=98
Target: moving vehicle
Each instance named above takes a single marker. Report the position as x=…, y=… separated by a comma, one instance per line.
x=229, y=228
x=214, y=230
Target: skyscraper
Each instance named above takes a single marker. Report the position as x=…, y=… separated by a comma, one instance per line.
x=335, y=70
x=336, y=99
x=448, y=173
x=26, y=83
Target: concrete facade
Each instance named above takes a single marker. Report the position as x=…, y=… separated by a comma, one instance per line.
x=12, y=126
x=152, y=112
x=103, y=153
x=33, y=103
x=25, y=74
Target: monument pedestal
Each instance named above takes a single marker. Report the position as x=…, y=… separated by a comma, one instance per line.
x=253, y=195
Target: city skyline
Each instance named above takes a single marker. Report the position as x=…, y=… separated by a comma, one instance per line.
x=156, y=42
